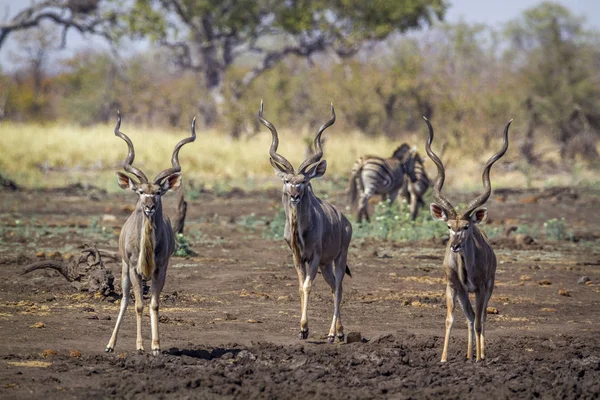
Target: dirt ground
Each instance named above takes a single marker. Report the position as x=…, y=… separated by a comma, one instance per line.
x=230, y=315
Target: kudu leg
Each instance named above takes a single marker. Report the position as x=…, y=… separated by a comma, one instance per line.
x=301, y=271
x=340, y=271
x=465, y=304
x=313, y=267
x=450, y=302
x=158, y=283
x=329, y=277
x=126, y=287
x=486, y=299
x=138, y=291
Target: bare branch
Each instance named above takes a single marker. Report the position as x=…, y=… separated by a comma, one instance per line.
x=59, y=12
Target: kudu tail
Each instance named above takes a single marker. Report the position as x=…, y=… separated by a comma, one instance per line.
x=353, y=183
x=348, y=271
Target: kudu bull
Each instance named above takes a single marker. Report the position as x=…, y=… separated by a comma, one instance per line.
x=316, y=232
x=469, y=262
x=147, y=239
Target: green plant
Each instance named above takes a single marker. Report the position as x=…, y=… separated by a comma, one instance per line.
x=251, y=221
x=182, y=246
x=276, y=226
x=556, y=229
x=393, y=222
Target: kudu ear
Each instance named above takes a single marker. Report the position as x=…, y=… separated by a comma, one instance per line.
x=279, y=169
x=438, y=213
x=317, y=171
x=171, y=182
x=125, y=182
x=479, y=216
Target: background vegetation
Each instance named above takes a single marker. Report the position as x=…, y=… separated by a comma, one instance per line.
x=542, y=69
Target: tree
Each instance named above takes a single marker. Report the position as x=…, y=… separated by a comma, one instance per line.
x=81, y=15
x=210, y=36
x=555, y=58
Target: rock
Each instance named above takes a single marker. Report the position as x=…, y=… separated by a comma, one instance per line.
x=544, y=282
x=525, y=278
x=564, y=292
x=353, y=337
x=74, y=353
x=101, y=281
x=583, y=280
x=528, y=200
x=38, y=325
x=492, y=310
x=109, y=218
x=49, y=353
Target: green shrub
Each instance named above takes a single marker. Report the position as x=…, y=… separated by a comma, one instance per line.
x=182, y=246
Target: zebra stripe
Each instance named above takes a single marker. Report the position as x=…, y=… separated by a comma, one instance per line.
x=375, y=175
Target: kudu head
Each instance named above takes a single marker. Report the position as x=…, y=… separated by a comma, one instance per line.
x=461, y=225
x=295, y=183
x=150, y=193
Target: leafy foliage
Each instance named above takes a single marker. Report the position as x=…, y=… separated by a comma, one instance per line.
x=182, y=246
x=393, y=222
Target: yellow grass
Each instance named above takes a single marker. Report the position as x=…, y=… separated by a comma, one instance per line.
x=46, y=156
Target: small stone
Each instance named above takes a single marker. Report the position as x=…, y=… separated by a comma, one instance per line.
x=74, y=353
x=49, y=353
x=40, y=254
x=93, y=317
x=254, y=321
x=564, y=292
x=548, y=309
x=55, y=254
x=528, y=200
x=109, y=218
x=353, y=337
x=38, y=325
x=492, y=310
x=583, y=280
x=88, y=309
x=230, y=317
x=544, y=282
x=525, y=278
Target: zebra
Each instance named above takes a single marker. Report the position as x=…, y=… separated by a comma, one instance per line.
x=413, y=192
x=375, y=175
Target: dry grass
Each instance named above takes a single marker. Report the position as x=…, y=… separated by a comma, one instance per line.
x=45, y=156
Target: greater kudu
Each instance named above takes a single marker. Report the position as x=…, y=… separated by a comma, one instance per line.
x=147, y=239
x=469, y=262
x=317, y=233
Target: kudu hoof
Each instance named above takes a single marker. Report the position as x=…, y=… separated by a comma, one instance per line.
x=109, y=350
x=341, y=337
x=156, y=352
x=303, y=335
x=330, y=339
